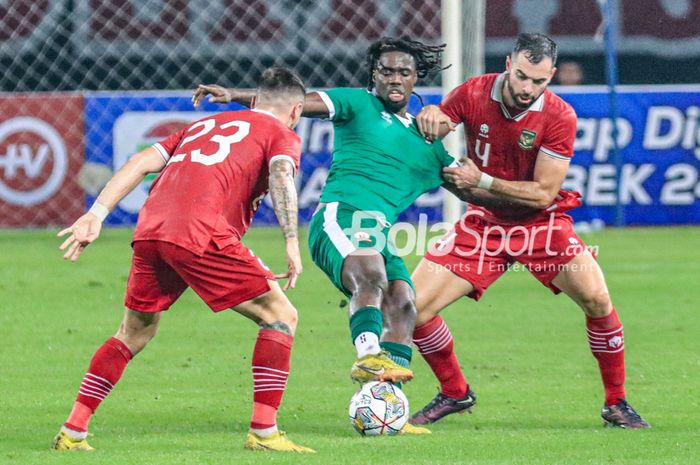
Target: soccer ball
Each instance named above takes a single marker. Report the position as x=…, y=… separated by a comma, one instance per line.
x=378, y=408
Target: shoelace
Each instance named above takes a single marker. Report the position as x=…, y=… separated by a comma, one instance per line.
x=438, y=400
x=627, y=408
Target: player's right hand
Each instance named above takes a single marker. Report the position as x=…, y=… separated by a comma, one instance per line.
x=218, y=94
x=433, y=123
x=294, y=267
x=466, y=176
x=82, y=233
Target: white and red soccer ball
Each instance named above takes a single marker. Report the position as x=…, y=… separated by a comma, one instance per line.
x=378, y=408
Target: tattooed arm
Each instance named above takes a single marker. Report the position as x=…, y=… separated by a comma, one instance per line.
x=284, y=202
x=284, y=196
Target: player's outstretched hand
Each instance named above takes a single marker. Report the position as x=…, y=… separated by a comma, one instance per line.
x=465, y=176
x=218, y=94
x=83, y=232
x=294, y=267
x=433, y=123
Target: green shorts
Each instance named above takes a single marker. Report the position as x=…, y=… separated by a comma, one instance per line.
x=332, y=237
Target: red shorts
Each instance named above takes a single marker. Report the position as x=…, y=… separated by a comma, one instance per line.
x=223, y=278
x=480, y=252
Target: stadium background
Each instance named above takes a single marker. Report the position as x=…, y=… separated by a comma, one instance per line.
x=86, y=84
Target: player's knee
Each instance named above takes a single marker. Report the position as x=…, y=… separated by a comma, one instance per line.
x=407, y=310
x=290, y=316
x=280, y=311
x=426, y=310
x=399, y=320
x=136, y=338
x=403, y=310
x=597, y=304
x=372, y=282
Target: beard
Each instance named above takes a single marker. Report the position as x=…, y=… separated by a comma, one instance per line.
x=516, y=102
x=394, y=107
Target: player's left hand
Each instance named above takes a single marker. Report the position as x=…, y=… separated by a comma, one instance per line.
x=82, y=233
x=465, y=176
x=218, y=94
x=294, y=265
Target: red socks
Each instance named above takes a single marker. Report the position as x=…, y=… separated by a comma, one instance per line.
x=270, y=372
x=605, y=337
x=435, y=344
x=106, y=367
x=607, y=341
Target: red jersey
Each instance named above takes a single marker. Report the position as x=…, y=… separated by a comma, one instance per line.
x=507, y=146
x=216, y=176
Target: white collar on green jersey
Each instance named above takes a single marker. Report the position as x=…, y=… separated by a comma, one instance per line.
x=406, y=121
x=497, y=95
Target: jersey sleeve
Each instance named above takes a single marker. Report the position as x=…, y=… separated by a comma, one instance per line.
x=285, y=146
x=167, y=146
x=456, y=103
x=558, y=140
x=342, y=102
x=443, y=156
x=433, y=178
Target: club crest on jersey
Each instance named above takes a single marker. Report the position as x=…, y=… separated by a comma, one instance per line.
x=527, y=139
x=484, y=130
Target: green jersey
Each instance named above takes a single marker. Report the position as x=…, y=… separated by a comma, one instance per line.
x=381, y=162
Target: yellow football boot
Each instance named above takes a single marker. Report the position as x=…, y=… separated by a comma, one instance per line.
x=63, y=441
x=379, y=367
x=413, y=429
x=276, y=442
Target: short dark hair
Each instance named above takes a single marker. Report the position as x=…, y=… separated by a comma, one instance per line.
x=427, y=57
x=536, y=46
x=281, y=80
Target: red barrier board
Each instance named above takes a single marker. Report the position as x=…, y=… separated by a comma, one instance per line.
x=41, y=153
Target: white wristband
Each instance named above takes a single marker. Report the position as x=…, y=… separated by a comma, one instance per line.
x=99, y=210
x=485, y=181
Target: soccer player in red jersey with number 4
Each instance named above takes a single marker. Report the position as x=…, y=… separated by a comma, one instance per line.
x=214, y=173
x=520, y=139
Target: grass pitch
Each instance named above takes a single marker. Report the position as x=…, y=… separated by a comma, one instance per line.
x=186, y=398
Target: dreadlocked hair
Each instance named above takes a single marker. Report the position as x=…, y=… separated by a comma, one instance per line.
x=427, y=57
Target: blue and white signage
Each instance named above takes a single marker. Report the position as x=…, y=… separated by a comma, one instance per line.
x=658, y=136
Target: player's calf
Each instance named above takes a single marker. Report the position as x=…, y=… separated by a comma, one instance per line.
x=271, y=310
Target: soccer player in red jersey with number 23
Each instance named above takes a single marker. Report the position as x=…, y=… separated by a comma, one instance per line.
x=213, y=175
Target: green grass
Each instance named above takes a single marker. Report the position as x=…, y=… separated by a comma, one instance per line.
x=186, y=399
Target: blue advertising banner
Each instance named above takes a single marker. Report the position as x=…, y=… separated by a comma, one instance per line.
x=658, y=136
x=120, y=124
x=659, y=141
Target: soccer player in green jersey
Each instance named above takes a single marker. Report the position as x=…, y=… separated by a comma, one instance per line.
x=381, y=164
